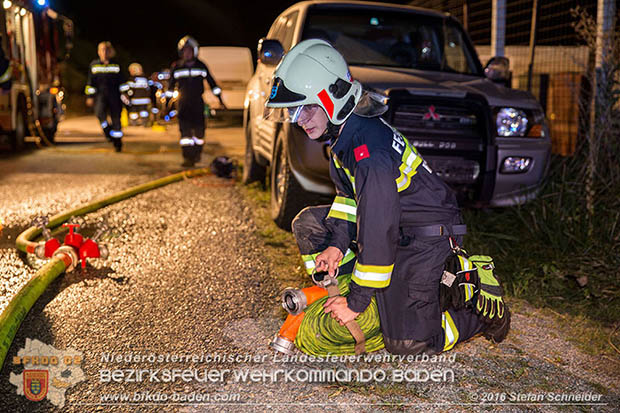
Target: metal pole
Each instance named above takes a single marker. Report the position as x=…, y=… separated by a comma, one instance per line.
x=465, y=17
x=532, y=44
x=498, y=27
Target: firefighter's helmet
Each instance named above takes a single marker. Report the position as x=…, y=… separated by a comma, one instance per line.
x=187, y=41
x=135, y=69
x=313, y=73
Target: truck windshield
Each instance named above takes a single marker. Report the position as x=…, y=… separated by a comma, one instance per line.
x=375, y=37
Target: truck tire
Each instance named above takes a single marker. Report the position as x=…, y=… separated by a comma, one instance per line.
x=18, y=136
x=252, y=170
x=287, y=196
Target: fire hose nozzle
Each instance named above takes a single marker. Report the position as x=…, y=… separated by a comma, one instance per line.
x=294, y=301
x=283, y=345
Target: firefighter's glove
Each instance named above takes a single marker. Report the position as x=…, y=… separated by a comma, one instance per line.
x=459, y=283
x=490, y=304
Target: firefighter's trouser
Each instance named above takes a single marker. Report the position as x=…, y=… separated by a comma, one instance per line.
x=111, y=105
x=192, y=127
x=411, y=319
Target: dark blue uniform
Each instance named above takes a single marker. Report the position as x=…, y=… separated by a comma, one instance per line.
x=189, y=79
x=387, y=200
x=105, y=84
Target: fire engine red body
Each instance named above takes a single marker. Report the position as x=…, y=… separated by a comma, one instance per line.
x=35, y=39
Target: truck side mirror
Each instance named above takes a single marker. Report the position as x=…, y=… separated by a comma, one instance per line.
x=270, y=51
x=498, y=70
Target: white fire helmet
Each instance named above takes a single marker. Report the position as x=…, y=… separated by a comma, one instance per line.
x=312, y=73
x=187, y=41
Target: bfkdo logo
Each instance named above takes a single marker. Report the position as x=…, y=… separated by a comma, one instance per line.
x=47, y=372
x=35, y=384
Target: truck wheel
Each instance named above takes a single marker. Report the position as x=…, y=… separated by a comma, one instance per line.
x=19, y=134
x=287, y=196
x=252, y=170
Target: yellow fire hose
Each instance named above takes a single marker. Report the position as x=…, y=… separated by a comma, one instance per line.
x=12, y=317
x=319, y=334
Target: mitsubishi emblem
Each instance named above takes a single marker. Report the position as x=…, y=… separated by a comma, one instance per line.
x=431, y=114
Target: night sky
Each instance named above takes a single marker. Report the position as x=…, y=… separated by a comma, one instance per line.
x=148, y=31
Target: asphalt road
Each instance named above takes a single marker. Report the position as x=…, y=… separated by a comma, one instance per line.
x=183, y=264
x=188, y=286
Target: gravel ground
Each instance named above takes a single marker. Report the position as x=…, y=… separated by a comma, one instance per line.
x=187, y=275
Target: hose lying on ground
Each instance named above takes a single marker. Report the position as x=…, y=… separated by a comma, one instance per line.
x=13, y=315
x=320, y=335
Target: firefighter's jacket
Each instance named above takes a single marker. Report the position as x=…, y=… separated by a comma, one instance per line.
x=105, y=81
x=188, y=78
x=139, y=91
x=382, y=185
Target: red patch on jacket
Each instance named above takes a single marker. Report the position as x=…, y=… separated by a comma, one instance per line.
x=361, y=152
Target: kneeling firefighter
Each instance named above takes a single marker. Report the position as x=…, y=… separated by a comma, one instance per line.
x=394, y=224
x=188, y=75
x=105, y=83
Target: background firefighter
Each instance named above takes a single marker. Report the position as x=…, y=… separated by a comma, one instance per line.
x=103, y=89
x=391, y=211
x=188, y=74
x=138, y=96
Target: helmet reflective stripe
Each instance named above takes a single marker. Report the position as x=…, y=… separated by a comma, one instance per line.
x=313, y=72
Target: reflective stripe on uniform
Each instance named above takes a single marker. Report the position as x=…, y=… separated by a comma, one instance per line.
x=343, y=208
x=309, y=260
x=124, y=87
x=197, y=73
x=89, y=90
x=144, y=113
x=198, y=141
x=409, y=167
x=116, y=134
x=465, y=263
x=216, y=91
x=140, y=101
x=104, y=124
x=186, y=142
x=181, y=73
x=168, y=93
x=449, y=328
x=376, y=276
x=105, y=69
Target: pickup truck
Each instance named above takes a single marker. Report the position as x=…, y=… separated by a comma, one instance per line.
x=489, y=142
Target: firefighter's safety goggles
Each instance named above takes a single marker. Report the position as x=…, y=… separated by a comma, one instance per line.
x=291, y=114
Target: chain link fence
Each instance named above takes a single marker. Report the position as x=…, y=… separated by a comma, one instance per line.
x=561, y=60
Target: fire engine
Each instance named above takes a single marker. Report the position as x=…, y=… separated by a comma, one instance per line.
x=35, y=39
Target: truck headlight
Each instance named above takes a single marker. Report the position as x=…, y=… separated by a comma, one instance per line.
x=511, y=122
x=516, y=165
